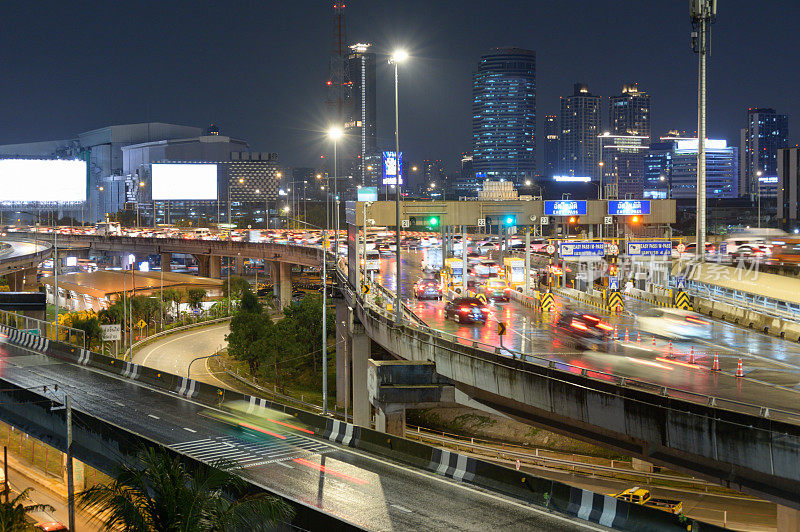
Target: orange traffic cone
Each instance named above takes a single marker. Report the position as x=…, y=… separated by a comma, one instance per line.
x=654, y=341
x=626, y=334
x=691, y=355
x=715, y=367
x=616, y=332
x=638, y=338
x=670, y=349
x=739, y=370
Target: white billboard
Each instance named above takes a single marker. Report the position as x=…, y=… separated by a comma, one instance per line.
x=184, y=181
x=45, y=180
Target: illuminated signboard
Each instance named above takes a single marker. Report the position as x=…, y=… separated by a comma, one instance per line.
x=367, y=194
x=768, y=179
x=628, y=207
x=564, y=207
x=391, y=163
x=571, y=179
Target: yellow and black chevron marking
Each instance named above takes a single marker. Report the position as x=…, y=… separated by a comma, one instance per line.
x=682, y=301
x=615, y=301
x=548, y=301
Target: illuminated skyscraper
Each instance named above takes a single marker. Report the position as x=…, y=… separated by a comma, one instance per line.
x=579, y=146
x=551, y=136
x=765, y=134
x=629, y=112
x=360, y=109
x=504, y=115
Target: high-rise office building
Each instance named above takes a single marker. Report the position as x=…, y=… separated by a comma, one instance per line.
x=629, y=112
x=360, y=109
x=789, y=188
x=670, y=169
x=623, y=165
x=504, y=115
x=579, y=145
x=433, y=171
x=551, y=136
x=765, y=134
x=466, y=184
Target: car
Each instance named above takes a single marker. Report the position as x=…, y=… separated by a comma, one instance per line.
x=487, y=268
x=673, y=323
x=750, y=252
x=428, y=289
x=466, y=310
x=50, y=526
x=585, y=330
x=497, y=289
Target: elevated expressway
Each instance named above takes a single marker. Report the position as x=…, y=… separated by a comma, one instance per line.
x=21, y=256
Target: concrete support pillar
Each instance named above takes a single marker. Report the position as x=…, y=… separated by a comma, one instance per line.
x=285, y=283
x=362, y=347
x=239, y=266
x=641, y=465
x=78, y=477
x=16, y=281
x=166, y=259
x=275, y=275
x=788, y=519
x=215, y=267
x=203, y=265
x=344, y=345
x=391, y=419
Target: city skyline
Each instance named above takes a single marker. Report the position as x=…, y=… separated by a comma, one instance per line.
x=187, y=77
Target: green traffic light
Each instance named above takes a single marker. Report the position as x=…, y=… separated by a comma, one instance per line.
x=434, y=221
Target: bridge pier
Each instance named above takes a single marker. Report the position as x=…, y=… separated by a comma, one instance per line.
x=362, y=347
x=788, y=519
x=239, y=266
x=209, y=266
x=285, y=283
x=166, y=260
x=391, y=419
x=17, y=279
x=344, y=346
x=275, y=275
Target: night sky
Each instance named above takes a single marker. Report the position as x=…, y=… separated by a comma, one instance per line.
x=257, y=69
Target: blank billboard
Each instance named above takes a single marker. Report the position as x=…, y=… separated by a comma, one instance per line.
x=178, y=181
x=46, y=180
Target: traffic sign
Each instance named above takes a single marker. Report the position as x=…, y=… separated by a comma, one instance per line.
x=544, y=220
x=481, y=298
x=681, y=280
x=582, y=249
x=650, y=248
x=550, y=249
x=366, y=289
x=501, y=328
x=404, y=223
x=112, y=332
x=141, y=324
x=723, y=248
x=613, y=283
x=613, y=249
x=681, y=248
x=608, y=220
x=481, y=222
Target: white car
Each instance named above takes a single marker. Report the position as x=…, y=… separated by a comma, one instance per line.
x=673, y=323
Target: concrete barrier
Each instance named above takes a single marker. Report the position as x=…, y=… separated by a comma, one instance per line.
x=750, y=319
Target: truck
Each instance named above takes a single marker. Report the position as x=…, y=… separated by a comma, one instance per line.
x=642, y=497
x=514, y=268
x=108, y=229
x=431, y=260
x=253, y=235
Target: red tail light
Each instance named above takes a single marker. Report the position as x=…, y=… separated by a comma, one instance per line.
x=578, y=325
x=590, y=317
x=485, y=310
x=464, y=309
x=605, y=326
x=695, y=320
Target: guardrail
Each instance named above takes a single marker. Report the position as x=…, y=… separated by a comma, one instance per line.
x=126, y=355
x=763, y=305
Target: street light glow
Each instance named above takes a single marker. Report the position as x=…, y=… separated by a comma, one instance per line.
x=334, y=133
x=398, y=56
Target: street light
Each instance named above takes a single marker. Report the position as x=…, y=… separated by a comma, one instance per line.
x=397, y=57
x=758, y=184
x=335, y=134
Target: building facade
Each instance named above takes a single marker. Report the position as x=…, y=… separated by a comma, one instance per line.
x=789, y=188
x=579, y=145
x=360, y=110
x=623, y=165
x=504, y=115
x=551, y=135
x=629, y=112
x=766, y=133
x=670, y=169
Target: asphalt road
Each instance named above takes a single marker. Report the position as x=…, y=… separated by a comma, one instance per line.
x=173, y=353
x=370, y=492
x=771, y=365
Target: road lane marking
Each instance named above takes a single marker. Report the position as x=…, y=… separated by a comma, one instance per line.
x=284, y=464
x=179, y=337
x=401, y=508
x=152, y=416
x=190, y=430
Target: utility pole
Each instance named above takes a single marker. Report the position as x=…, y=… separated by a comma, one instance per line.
x=527, y=261
x=703, y=13
x=70, y=482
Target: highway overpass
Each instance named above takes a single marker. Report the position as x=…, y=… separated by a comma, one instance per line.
x=20, y=256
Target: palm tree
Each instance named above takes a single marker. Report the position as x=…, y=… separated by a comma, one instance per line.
x=13, y=513
x=161, y=494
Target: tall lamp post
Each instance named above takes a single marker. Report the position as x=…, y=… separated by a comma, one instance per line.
x=397, y=57
x=334, y=134
x=758, y=189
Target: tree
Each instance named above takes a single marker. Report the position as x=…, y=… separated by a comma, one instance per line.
x=13, y=514
x=144, y=308
x=162, y=494
x=90, y=325
x=307, y=317
x=174, y=297
x=194, y=296
x=238, y=286
x=276, y=346
x=247, y=328
x=112, y=314
x=250, y=302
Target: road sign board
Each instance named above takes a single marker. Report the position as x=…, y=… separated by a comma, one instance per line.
x=681, y=280
x=501, y=328
x=613, y=283
x=481, y=298
x=405, y=223
x=681, y=248
x=649, y=248
x=565, y=207
x=550, y=249
x=582, y=249
x=608, y=220
x=544, y=220
x=723, y=248
x=366, y=289
x=141, y=324
x=613, y=249
x=110, y=333
x=481, y=222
